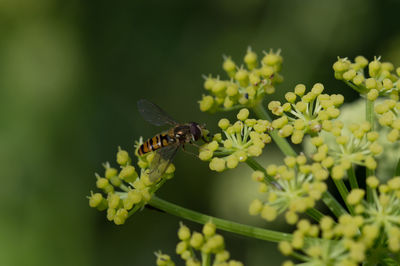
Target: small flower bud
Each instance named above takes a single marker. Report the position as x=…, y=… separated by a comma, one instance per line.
x=232, y=161
x=242, y=77
x=243, y=114
x=95, y=200
x=250, y=59
x=209, y=229
x=255, y=207
x=123, y=157
x=196, y=240
x=181, y=247
x=217, y=164
x=269, y=213
x=222, y=256
x=229, y=66
x=355, y=196
x=113, y=201
x=205, y=155
x=206, y=103
x=285, y=248
x=101, y=182
x=128, y=174
x=110, y=172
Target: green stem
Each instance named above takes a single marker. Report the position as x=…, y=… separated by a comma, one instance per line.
x=358, y=89
x=397, y=172
x=343, y=192
x=333, y=204
x=352, y=178
x=257, y=167
x=241, y=229
x=369, y=112
x=283, y=145
x=205, y=259
x=369, y=116
x=315, y=214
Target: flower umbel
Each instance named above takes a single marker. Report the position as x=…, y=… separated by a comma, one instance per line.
x=382, y=78
x=305, y=113
x=124, y=190
x=247, y=85
x=300, y=185
x=240, y=140
x=208, y=244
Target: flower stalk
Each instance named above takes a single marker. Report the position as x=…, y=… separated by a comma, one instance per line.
x=229, y=226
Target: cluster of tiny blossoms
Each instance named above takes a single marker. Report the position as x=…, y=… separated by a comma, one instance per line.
x=246, y=87
x=208, y=243
x=389, y=116
x=358, y=147
x=124, y=191
x=382, y=78
x=240, y=140
x=354, y=237
x=297, y=187
x=305, y=113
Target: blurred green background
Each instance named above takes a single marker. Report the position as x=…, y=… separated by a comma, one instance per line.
x=71, y=73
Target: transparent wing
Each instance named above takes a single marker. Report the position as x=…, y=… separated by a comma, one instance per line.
x=154, y=114
x=161, y=161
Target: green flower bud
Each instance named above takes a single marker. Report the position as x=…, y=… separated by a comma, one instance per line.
x=232, y=161
x=102, y=182
x=229, y=66
x=206, y=103
x=183, y=232
x=209, y=83
x=95, y=200
x=217, y=164
x=250, y=59
x=232, y=89
x=243, y=114
x=209, y=229
x=110, y=172
x=113, y=201
x=242, y=76
x=128, y=174
x=111, y=214
x=120, y=216
x=196, y=241
x=123, y=157
x=223, y=123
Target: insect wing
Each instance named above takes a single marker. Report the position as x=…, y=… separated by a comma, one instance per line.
x=153, y=114
x=161, y=161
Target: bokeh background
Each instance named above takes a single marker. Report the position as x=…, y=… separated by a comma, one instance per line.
x=71, y=73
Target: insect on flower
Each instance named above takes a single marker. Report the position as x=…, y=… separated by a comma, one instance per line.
x=167, y=143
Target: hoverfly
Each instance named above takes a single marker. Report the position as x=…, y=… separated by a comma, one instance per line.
x=167, y=143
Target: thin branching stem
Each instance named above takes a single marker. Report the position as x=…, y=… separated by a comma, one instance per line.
x=237, y=228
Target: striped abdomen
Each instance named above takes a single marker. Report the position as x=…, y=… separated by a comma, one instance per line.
x=155, y=143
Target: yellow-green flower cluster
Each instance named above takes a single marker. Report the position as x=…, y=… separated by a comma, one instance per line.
x=359, y=147
x=389, y=116
x=304, y=113
x=328, y=243
x=242, y=139
x=163, y=259
x=124, y=191
x=373, y=78
x=247, y=85
x=381, y=216
x=299, y=187
x=210, y=244
x=353, y=239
